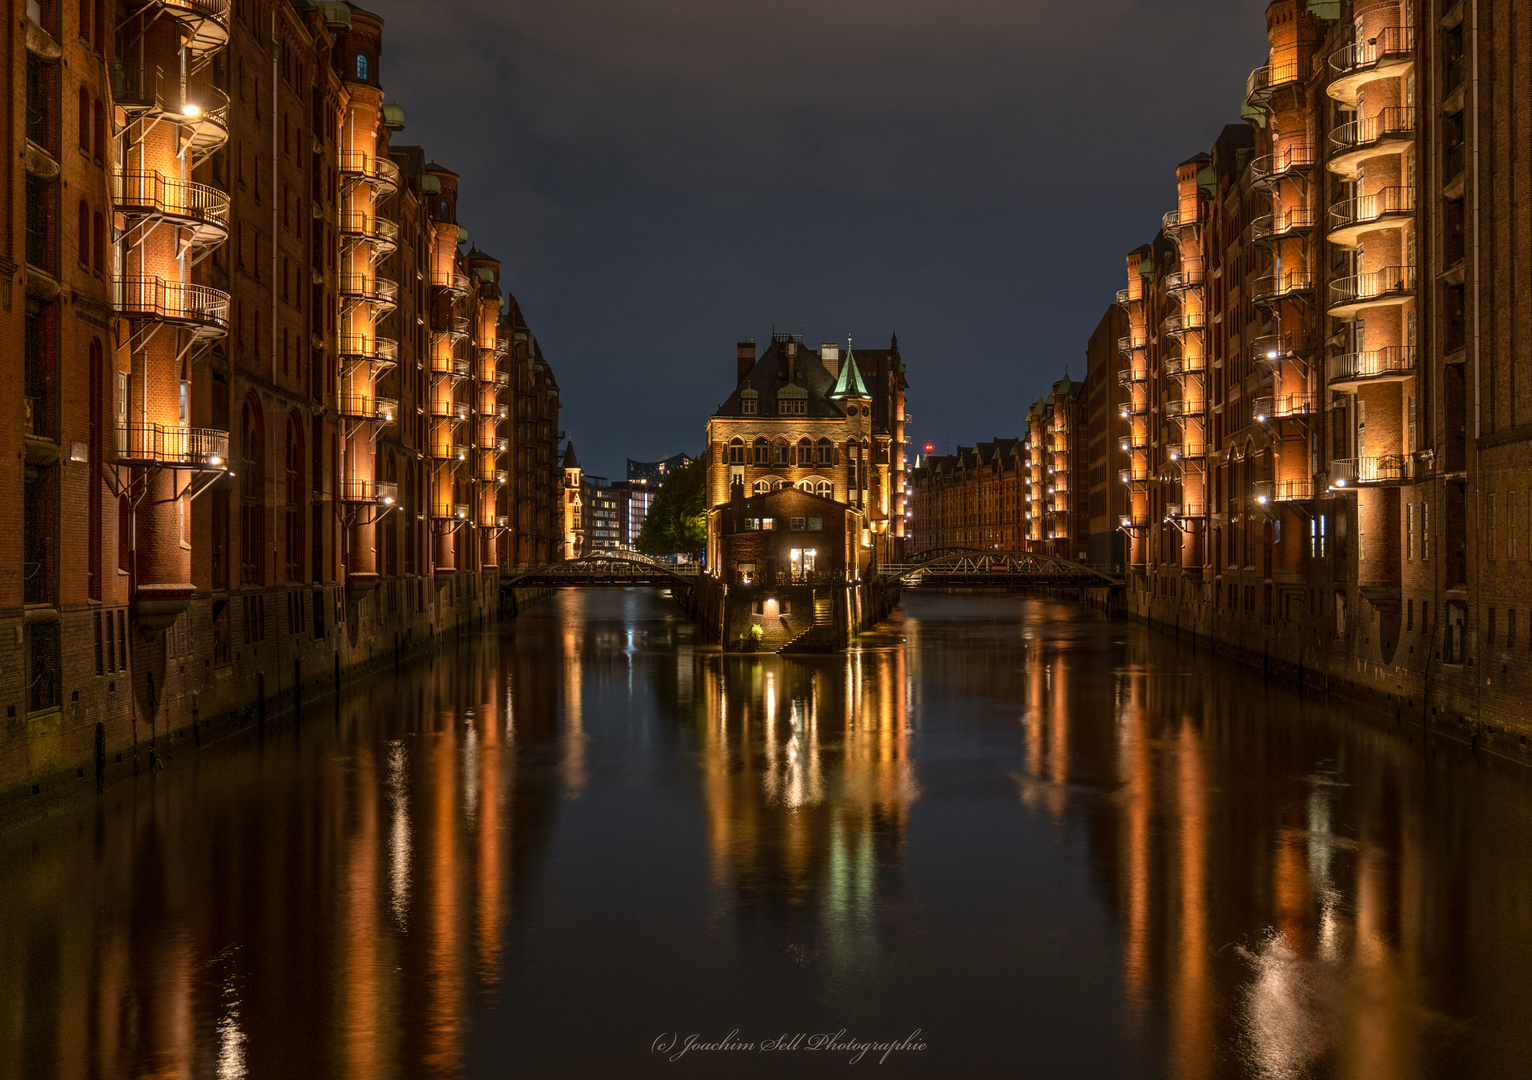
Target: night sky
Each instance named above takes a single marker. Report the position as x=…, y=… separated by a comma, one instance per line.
x=662, y=178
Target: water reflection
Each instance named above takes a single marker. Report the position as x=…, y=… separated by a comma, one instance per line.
x=1008, y=822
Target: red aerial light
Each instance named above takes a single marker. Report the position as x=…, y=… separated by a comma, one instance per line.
x=929, y=448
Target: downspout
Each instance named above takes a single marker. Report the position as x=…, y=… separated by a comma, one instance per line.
x=275, y=51
x=1477, y=365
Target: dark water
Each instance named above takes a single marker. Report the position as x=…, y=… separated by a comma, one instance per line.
x=1053, y=845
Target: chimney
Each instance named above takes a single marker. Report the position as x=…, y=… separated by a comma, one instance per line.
x=830, y=354
x=791, y=348
x=744, y=353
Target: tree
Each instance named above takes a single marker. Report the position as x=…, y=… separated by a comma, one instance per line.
x=677, y=522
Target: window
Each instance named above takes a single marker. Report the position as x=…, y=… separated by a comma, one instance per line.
x=84, y=237
x=98, y=242
x=737, y=452
x=1510, y=629
x=1510, y=526
x=747, y=406
x=798, y=524
x=762, y=451
x=361, y=66
x=1409, y=531
x=783, y=452
x=805, y=452
x=816, y=524
x=768, y=524
x=84, y=121
x=98, y=129
x=1492, y=524
x=1425, y=531
x=762, y=487
x=826, y=452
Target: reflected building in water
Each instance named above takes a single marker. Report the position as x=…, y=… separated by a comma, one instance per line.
x=330, y=904
x=807, y=783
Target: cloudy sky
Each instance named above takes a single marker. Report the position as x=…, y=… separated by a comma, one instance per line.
x=663, y=178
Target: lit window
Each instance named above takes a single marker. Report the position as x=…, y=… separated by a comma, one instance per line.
x=361, y=66
x=816, y=524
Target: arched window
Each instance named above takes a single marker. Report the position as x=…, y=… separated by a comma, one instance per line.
x=293, y=531
x=100, y=6
x=805, y=452
x=826, y=452
x=84, y=133
x=825, y=489
x=98, y=241
x=361, y=66
x=762, y=450
x=84, y=237
x=85, y=21
x=762, y=487
x=98, y=129
x=782, y=454
x=737, y=451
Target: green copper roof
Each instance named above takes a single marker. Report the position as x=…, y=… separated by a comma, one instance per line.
x=850, y=383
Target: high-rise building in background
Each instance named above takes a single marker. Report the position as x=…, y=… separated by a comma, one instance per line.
x=276, y=416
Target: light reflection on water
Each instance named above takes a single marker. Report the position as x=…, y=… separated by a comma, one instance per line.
x=1038, y=836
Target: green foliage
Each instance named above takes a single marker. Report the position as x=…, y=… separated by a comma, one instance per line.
x=677, y=522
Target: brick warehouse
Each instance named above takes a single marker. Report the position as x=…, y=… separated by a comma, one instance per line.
x=276, y=421
x=1325, y=400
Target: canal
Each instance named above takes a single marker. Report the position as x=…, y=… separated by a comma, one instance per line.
x=1009, y=835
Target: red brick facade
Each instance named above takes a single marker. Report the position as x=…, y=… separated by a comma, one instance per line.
x=244, y=322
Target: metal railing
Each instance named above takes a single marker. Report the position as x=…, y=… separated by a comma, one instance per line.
x=1264, y=80
x=451, y=280
x=1366, y=209
x=370, y=169
x=449, y=410
x=1274, y=348
x=1392, y=42
x=1396, y=120
x=1185, y=322
x=373, y=229
x=1382, y=469
x=370, y=348
x=1393, y=360
x=188, y=101
x=1276, y=286
x=1173, y=221
x=1280, y=491
x=156, y=298
x=1282, y=406
x=1188, y=277
x=173, y=445
x=1390, y=281
x=155, y=193
x=1286, y=159
x=373, y=290
x=1180, y=511
x=364, y=407
x=1276, y=225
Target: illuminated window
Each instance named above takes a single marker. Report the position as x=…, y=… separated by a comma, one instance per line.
x=361, y=66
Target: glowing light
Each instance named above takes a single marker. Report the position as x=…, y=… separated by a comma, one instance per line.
x=216, y=460
x=192, y=110
x=1272, y=355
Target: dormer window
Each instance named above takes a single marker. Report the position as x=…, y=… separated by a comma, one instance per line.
x=361, y=66
x=747, y=406
x=793, y=407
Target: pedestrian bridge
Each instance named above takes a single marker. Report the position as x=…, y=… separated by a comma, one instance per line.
x=967, y=568
x=615, y=569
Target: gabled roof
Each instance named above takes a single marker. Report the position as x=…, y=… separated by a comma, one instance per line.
x=811, y=380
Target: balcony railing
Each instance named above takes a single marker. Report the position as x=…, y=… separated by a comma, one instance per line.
x=1395, y=360
x=450, y=511
x=1267, y=492
x=376, y=349
x=1392, y=43
x=1133, y=521
x=187, y=447
x=1396, y=121
x=1125, y=298
x=502, y=379
x=1389, y=282
x=373, y=290
x=1264, y=81
x=370, y=169
x=1383, y=469
x=362, y=407
x=380, y=232
x=206, y=20
x=1274, y=287
x=1275, y=226
x=1128, y=376
x=1367, y=209
x=1188, y=277
x=1282, y=406
x=152, y=194
x=1286, y=160
x=452, y=281
x=1185, y=322
x=358, y=491
x=196, y=106
x=204, y=309
x=1273, y=349
x=1174, y=221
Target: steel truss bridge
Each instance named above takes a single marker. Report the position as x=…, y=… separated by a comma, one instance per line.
x=967, y=568
x=614, y=569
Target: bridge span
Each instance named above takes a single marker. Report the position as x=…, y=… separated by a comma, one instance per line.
x=969, y=568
